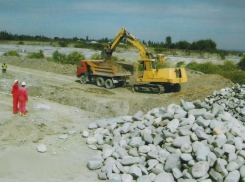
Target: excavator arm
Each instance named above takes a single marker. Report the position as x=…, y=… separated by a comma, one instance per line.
x=107, y=52
x=123, y=34
x=144, y=53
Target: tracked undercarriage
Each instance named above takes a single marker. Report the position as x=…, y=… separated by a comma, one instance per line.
x=156, y=88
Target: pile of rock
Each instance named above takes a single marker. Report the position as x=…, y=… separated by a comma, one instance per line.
x=192, y=142
x=231, y=99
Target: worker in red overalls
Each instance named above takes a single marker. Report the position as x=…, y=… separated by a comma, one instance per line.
x=14, y=92
x=23, y=98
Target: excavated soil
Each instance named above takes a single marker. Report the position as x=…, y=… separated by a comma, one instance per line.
x=58, y=104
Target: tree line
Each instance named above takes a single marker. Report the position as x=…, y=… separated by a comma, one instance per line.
x=203, y=45
x=200, y=45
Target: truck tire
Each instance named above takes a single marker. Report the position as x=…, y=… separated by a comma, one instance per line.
x=83, y=79
x=100, y=82
x=109, y=84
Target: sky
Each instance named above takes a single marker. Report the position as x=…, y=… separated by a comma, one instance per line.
x=223, y=21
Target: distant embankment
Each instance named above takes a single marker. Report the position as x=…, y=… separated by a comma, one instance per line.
x=178, y=53
x=194, y=54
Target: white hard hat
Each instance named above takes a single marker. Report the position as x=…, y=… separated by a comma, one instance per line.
x=15, y=81
x=23, y=83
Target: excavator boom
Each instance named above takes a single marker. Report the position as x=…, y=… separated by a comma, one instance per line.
x=123, y=34
x=107, y=52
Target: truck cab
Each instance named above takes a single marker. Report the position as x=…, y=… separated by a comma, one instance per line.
x=81, y=68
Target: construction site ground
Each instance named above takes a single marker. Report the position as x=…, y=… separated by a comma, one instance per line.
x=59, y=104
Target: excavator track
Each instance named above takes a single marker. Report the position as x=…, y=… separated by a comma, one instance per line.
x=148, y=88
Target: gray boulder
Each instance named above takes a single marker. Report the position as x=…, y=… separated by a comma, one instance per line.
x=200, y=169
x=93, y=165
x=167, y=177
x=173, y=161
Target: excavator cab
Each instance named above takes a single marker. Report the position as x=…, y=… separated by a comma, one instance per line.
x=160, y=58
x=145, y=65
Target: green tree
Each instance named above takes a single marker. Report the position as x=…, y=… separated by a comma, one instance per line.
x=207, y=45
x=183, y=45
x=168, y=41
x=173, y=46
x=75, y=39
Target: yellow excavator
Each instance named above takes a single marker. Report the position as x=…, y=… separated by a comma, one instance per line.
x=150, y=78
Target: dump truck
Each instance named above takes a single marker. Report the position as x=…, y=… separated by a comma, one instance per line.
x=107, y=74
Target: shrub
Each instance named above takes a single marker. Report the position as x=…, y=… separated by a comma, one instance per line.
x=114, y=58
x=229, y=66
x=97, y=46
x=36, y=55
x=74, y=57
x=158, y=50
x=63, y=44
x=21, y=43
x=228, y=70
x=96, y=56
x=122, y=60
x=11, y=53
x=58, y=57
x=207, y=68
x=180, y=64
x=160, y=65
x=80, y=46
x=222, y=55
x=168, y=65
x=241, y=64
x=237, y=76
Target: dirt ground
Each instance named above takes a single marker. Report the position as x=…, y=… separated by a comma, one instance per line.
x=58, y=104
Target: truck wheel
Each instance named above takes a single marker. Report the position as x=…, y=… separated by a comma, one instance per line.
x=100, y=82
x=83, y=79
x=109, y=84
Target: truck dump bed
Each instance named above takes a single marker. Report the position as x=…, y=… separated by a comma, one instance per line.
x=110, y=68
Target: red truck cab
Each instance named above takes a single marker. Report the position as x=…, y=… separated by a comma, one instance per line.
x=81, y=68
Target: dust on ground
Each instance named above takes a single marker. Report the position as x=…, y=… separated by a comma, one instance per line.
x=58, y=104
